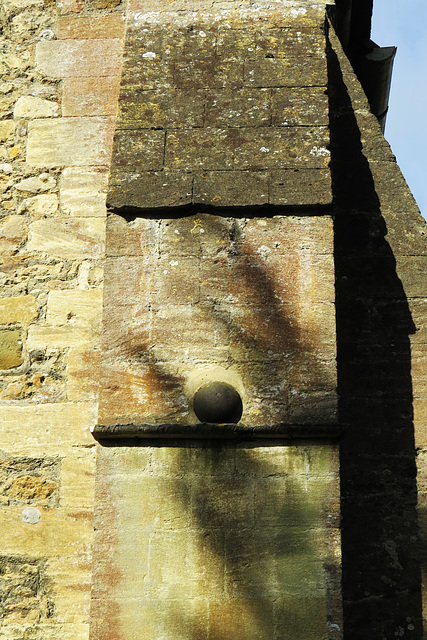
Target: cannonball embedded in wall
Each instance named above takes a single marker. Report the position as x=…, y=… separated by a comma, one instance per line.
x=217, y=402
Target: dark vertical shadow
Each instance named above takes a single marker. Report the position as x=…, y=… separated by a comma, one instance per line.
x=381, y=572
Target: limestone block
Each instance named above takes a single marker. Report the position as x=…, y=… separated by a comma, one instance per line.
x=231, y=188
x=199, y=149
x=150, y=189
x=300, y=107
x=300, y=186
x=145, y=147
x=78, y=480
x=79, y=58
x=411, y=270
x=69, y=142
x=13, y=234
x=56, y=533
x=72, y=238
x=283, y=147
x=10, y=349
x=37, y=184
x=46, y=429
x=18, y=310
x=7, y=128
x=60, y=337
x=79, y=308
x=86, y=27
x=90, y=96
x=34, y=107
x=270, y=43
x=241, y=108
x=82, y=383
x=161, y=108
x=42, y=206
x=274, y=72
x=82, y=192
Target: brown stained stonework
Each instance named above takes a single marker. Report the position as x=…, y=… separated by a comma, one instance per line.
x=229, y=95
x=87, y=27
x=253, y=296
x=90, y=96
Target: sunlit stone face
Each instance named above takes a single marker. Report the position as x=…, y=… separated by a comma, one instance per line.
x=249, y=301
x=219, y=541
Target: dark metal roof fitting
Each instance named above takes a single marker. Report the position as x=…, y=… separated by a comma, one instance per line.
x=374, y=72
x=372, y=64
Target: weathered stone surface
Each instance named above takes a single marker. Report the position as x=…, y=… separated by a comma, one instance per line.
x=33, y=107
x=77, y=308
x=240, y=108
x=228, y=522
x=109, y=26
x=277, y=72
x=78, y=238
x=250, y=294
x=69, y=142
x=90, y=96
x=231, y=188
x=18, y=310
x=306, y=107
x=160, y=109
x=65, y=58
x=38, y=184
x=10, y=349
x=7, y=128
x=210, y=85
x=300, y=187
x=29, y=488
x=42, y=206
x=83, y=191
x=150, y=189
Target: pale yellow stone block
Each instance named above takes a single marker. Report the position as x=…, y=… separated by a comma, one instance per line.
x=168, y=620
x=70, y=583
x=79, y=58
x=186, y=564
x=47, y=429
x=7, y=127
x=34, y=107
x=18, y=310
x=83, y=192
x=58, y=533
x=42, y=206
x=70, y=141
x=75, y=307
x=78, y=480
x=73, y=238
x=59, y=337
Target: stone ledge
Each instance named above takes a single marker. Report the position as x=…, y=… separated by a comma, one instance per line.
x=217, y=431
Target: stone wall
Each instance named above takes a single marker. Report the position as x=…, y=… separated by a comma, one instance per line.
x=61, y=67
x=55, y=134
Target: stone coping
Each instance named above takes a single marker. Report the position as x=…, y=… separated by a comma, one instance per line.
x=217, y=431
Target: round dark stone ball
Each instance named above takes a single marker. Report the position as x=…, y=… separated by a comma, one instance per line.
x=217, y=402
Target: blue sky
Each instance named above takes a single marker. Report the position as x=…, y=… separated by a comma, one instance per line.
x=402, y=23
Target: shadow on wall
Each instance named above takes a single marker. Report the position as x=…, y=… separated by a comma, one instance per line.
x=381, y=571
x=220, y=540
x=249, y=294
